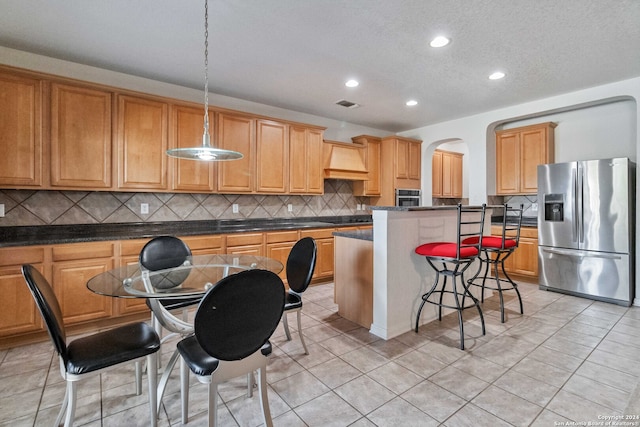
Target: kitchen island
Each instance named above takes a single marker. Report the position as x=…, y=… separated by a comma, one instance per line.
x=400, y=276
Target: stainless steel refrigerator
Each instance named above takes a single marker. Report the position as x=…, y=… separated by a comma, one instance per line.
x=586, y=229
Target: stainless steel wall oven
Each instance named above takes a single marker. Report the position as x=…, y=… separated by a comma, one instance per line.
x=405, y=197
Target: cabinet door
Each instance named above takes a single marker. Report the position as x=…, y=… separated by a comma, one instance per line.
x=80, y=137
x=414, y=160
x=525, y=258
x=280, y=252
x=508, y=163
x=456, y=176
x=236, y=133
x=142, y=143
x=373, y=155
x=447, y=182
x=402, y=159
x=20, y=131
x=187, y=129
x=79, y=304
x=436, y=174
x=19, y=314
x=324, y=259
x=533, y=152
x=130, y=305
x=305, y=161
x=273, y=156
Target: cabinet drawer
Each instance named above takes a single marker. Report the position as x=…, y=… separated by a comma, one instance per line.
x=531, y=232
x=244, y=239
x=204, y=242
x=282, y=236
x=21, y=255
x=83, y=251
x=321, y=233
x=132, y=247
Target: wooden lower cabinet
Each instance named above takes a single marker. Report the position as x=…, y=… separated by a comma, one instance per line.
x=324, y=256
x=524, y=260
x=245, y=244
x=19, y=314
x=278, y=246
x=72, y=267
x=129, y=255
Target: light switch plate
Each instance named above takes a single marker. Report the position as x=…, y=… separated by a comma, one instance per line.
x=235, y=208
x=1, y=210
x=290, y=207
x=144, y=208
x=534, y=207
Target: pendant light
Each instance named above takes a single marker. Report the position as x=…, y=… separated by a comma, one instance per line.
x=205, y=152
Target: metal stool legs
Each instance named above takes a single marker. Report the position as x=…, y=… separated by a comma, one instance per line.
x=498, y=261
x=459, y=298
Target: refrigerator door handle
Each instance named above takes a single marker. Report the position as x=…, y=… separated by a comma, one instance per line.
x=574, y=253
x=580, y=204
x=574, y=223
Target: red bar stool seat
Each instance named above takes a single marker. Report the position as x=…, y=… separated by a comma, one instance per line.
x=495, y=250
x=455, y=257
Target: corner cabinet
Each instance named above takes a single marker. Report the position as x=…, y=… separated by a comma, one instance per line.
x=446, y=174
x=373, y=152
x=20, y=130
x=519, y=151
x=400, y=167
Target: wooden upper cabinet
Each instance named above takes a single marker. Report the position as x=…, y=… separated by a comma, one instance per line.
x=414, y=160
x=519, y=151
x=187, y=126
x=80, y=137
x=20, y=131
x=406, y=158
x=142, y=143
x=402, y=159
x=456, y=176
x=305, y=160
x=370, y=187
x=272, y=146
x=237, y=133
x=436, y=174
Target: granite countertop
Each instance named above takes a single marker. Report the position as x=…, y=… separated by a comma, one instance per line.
x=57, y=234
x=427, y=208
x=355, y=234
x=527, y=221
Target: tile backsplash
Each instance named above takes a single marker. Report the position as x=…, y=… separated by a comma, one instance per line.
x=527, y=203
x=25, y=207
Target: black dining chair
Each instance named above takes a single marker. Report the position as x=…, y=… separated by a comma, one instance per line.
x=161, y=253
x=232, y=328
x=91, y=355
x=300, y=265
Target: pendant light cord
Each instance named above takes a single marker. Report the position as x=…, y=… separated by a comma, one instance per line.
x=206, y=66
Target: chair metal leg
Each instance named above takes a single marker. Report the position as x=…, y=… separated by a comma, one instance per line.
x=63, y=408
x=458, y=308
x=71, y=403
x=184, y=390
x=213, y=404
x=250, y=382
x=264, y=400
x=300, y=332
x=138, y=378
x=152, y=374
x=425, y=297
x=286, y=326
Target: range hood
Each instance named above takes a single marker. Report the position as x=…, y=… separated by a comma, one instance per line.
x=344, y=161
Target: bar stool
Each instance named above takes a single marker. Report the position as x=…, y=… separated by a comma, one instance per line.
x=460, y=256
x=495, y=250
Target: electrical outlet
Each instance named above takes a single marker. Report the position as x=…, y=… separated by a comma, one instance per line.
x=359, y=207
x=534, y=207
x=290, y=207
x=144, y=208
x=1, y=210
x=234, y=208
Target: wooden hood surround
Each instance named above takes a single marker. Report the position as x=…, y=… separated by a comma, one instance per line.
x=344, y=161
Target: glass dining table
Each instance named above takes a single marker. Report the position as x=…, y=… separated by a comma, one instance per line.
x=192, y=277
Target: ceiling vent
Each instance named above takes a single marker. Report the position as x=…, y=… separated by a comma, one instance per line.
x=348, y=104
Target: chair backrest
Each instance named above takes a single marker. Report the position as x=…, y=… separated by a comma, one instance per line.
x=48, y=306
x=239, y=314
x=165, y=252
x=511, y=222
x=470, y=227
x=301, y=263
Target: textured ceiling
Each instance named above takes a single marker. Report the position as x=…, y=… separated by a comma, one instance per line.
x=297, y=54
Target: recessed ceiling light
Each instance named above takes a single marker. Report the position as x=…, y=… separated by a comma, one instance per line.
x=412, y=102
x=351, y=83
x=497, y=75
x=439, y=41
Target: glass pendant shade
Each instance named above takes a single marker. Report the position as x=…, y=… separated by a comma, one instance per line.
x=205, y=152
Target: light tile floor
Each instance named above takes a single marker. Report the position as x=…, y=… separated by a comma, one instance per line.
x=567, y=359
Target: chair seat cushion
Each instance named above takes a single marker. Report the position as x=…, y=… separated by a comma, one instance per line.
x=446, y=250
x=109, y=348
x=492, y=242
x=292, y=301
x=199, y=361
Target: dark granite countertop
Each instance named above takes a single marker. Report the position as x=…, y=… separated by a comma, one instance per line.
x=527, y=221
x=355, y=234
x=56, y=234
